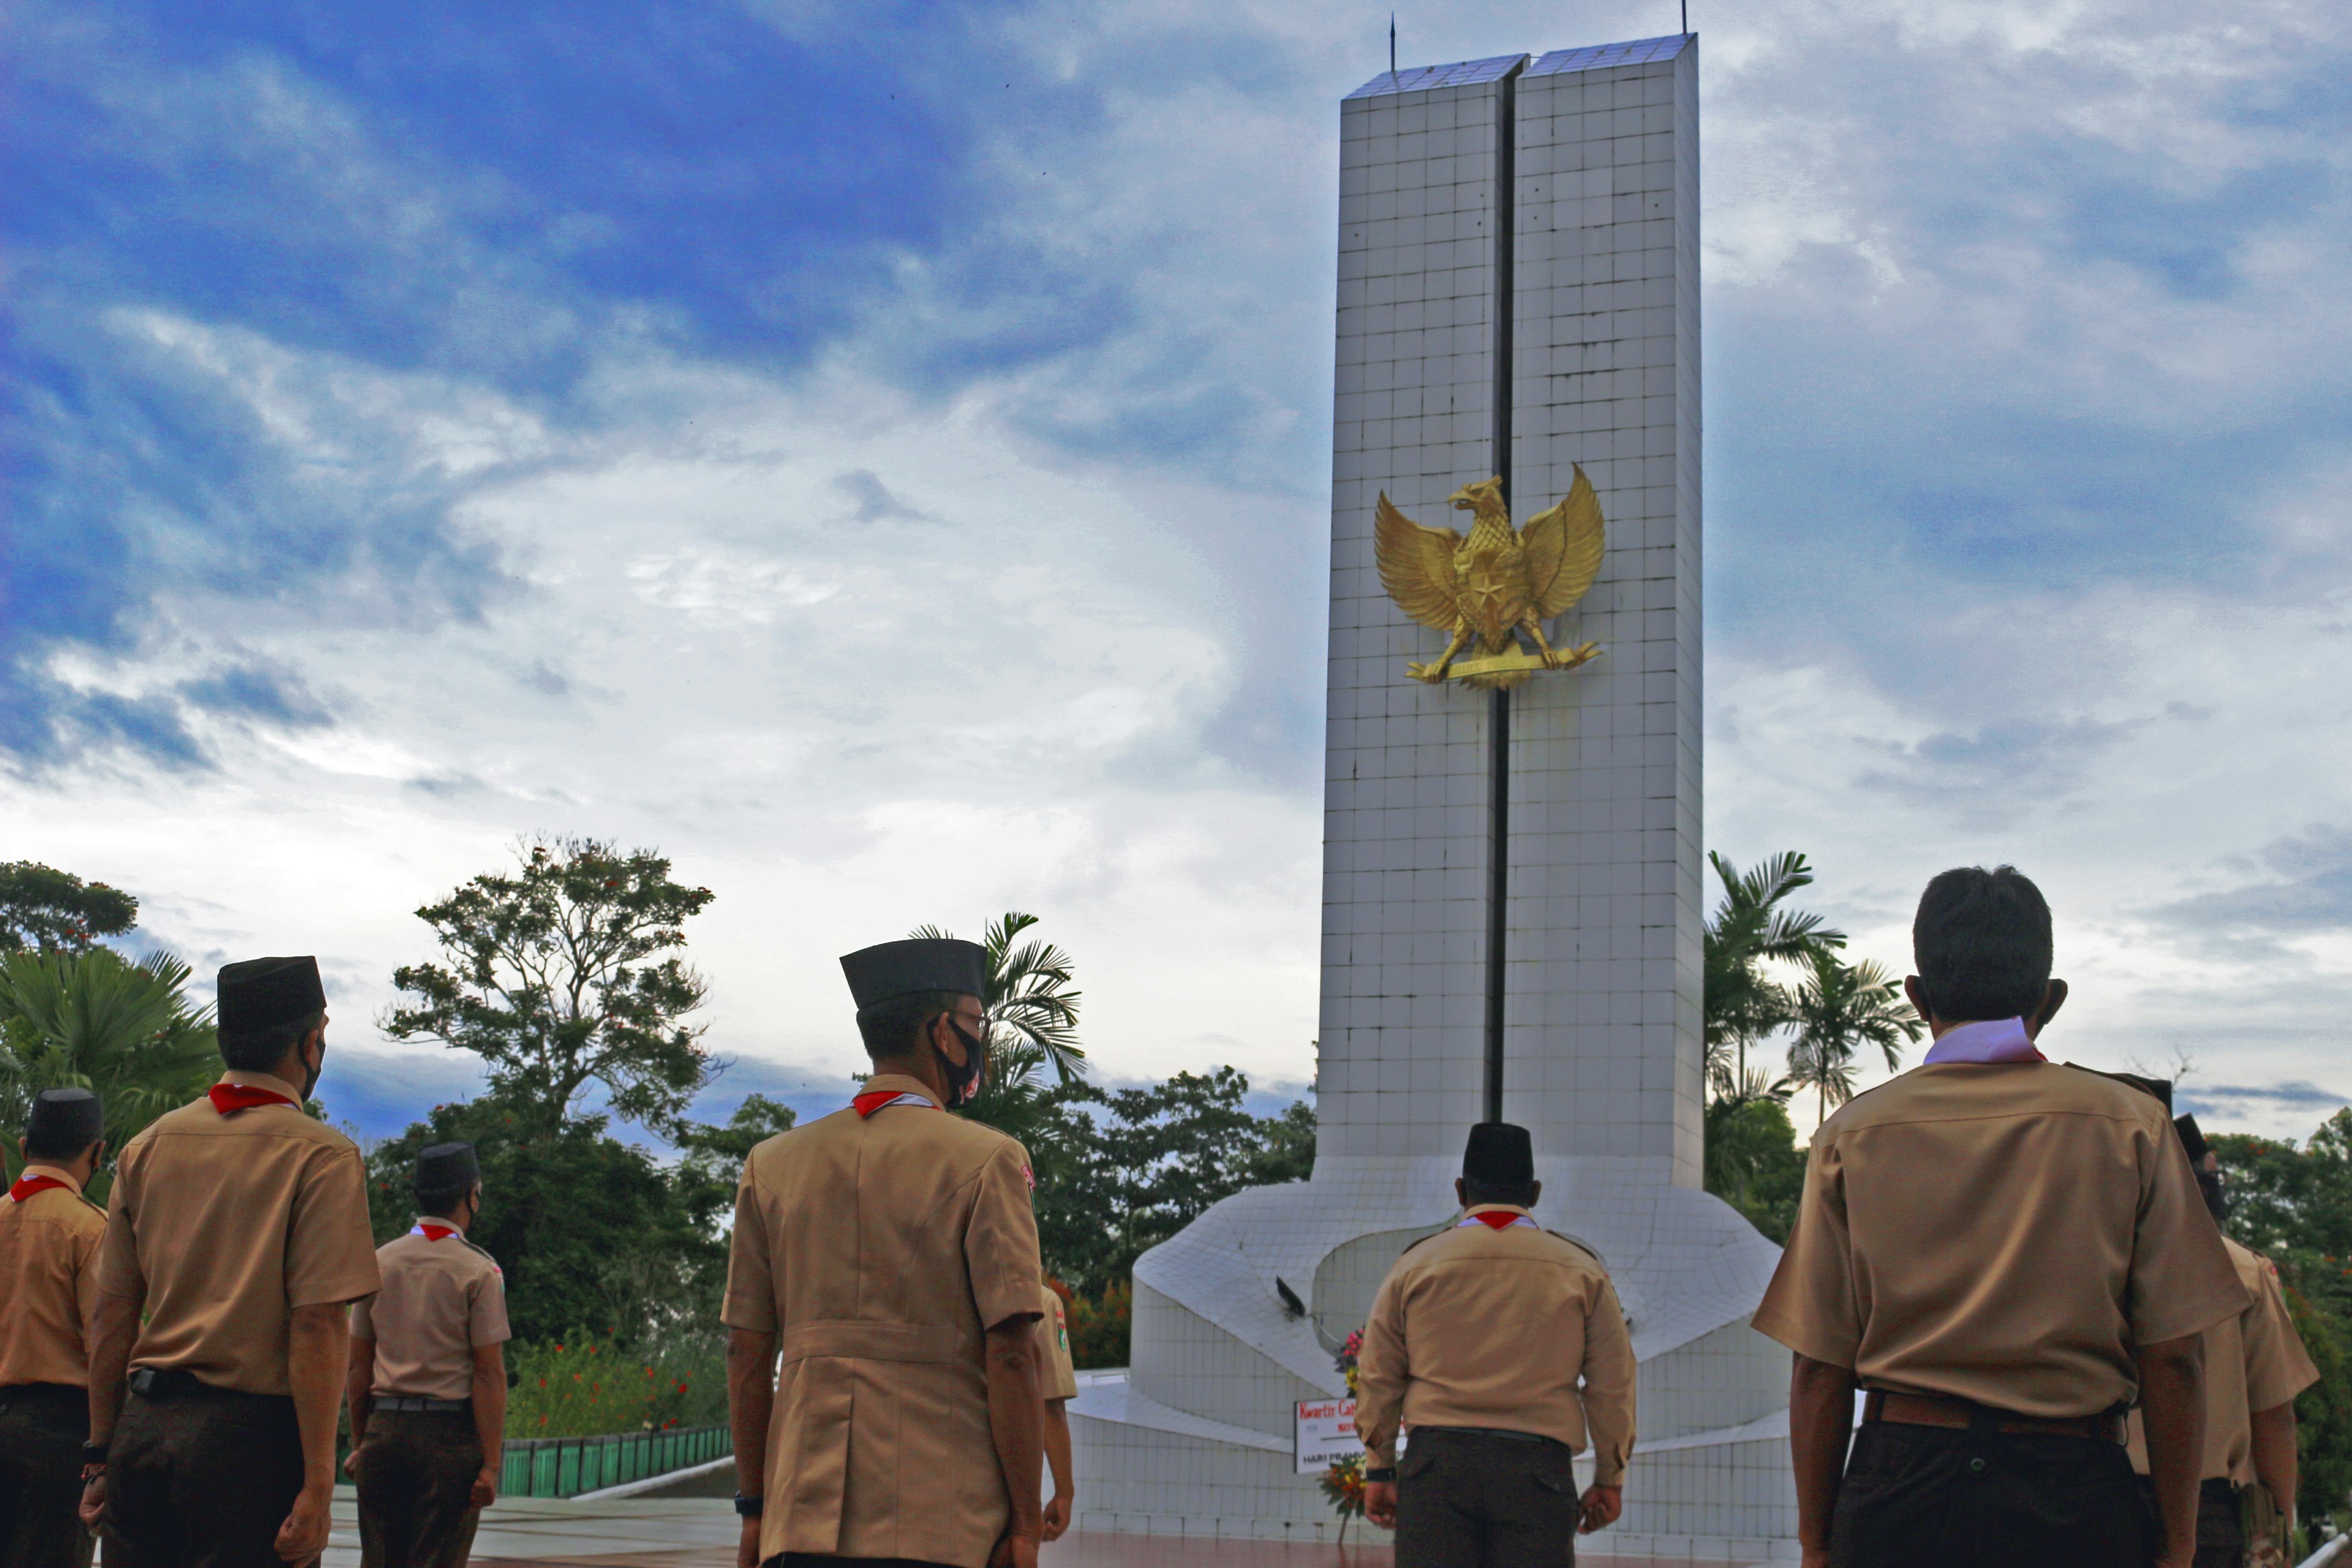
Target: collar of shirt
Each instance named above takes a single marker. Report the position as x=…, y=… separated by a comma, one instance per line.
x=891, y=1089
x=55, y=1172
x=1500, y=1217
x=2001, y=1041
x=39, y=1179
x=255, y=1082
x=437, y=1229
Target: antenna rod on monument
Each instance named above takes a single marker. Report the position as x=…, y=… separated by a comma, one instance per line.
x=1393, y=45
x=1686, y=18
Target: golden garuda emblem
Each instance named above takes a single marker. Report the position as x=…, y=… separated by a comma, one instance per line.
x=1497, y=582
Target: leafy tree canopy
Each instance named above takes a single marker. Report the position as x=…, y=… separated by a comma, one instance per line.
x=1032, y=1002
x=1751, y=928
x=563, y=976
x=94, y=1020
x=1838, y=1009
x=49, y=911
x=593, y=1234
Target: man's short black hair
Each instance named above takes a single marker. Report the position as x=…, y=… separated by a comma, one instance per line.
x=54, y=1147
x=1518, y=1195
x=262, y=1049
x=1981, y=944
x=895, y=1028
x=441, y=1203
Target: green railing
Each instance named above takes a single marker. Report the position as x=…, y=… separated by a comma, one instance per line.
x=566, y=1467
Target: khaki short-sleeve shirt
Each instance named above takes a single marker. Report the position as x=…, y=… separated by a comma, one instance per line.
x=224, y=1225
x=48, y=1258
x=880, y=1249
x=1057, y=1376
x=443, y=1299
x=1518, y=1329
x=2000, y=1232
x=2254, y=1361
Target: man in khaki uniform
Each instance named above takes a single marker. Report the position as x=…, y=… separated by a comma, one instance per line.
x=1058, y=1380
x=428, y=1383
x=2004, y=1253
x=48, y=1258
x=239, y=1230
x=891, y=1248
x=1502, y=1347
x=2254, y=1366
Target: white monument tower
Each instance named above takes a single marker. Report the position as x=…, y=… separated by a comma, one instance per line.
x=1511, y=887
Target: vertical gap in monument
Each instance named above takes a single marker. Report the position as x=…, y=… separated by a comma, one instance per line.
x=1498, y=702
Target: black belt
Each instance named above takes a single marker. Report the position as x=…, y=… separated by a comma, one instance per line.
x=42, y=1393
x=1420, y=1432
x=418, y=1401
x=158, y=1382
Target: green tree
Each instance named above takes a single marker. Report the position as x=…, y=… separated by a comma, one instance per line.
x=1030, y=1001
x=93, y=1020
x=593, y=1235
x=1752, y=1161
x=49, y=911
x=1838, y=1009
x=1747, y=931
x=566, y=976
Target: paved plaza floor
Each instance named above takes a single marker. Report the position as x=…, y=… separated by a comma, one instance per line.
x=700, y=1533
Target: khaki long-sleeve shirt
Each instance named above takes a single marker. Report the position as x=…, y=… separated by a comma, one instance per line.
x=1516, y=1329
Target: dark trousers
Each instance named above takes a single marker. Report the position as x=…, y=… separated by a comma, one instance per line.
x=201, y=1478
x=1931, y=1497
x=416, y=1473
x=42, y=1426
x=1468, y=1499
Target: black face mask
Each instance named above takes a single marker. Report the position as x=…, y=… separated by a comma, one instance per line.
x=311, y=1082
x=2217, y=1194
x=963, y=1082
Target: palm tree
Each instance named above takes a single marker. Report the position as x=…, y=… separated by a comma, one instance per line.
x=91, y=1020
x=1839, y=1008
x=1748, y=929
x=1030, y=1001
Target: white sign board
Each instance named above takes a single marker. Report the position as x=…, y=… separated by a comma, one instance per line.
x=1326, y=1431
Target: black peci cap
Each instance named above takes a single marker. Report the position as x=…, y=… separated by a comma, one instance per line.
x=446, y=1168
x=924, y=964
x=1499, y=1156
x=2192, y=1138
x=264, y=993
x=65, y=1118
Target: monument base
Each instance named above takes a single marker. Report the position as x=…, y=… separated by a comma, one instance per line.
x=1195, y=1436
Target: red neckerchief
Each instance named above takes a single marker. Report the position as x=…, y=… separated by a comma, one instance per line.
x=228, y=1098
x=431, y=1232
x=874, y=1099
x=27, y=1186
x=1501, y=1219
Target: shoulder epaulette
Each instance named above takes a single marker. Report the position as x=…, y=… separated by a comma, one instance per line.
x=1581, y=1245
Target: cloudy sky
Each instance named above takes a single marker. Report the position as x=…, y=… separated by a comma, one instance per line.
x=879, y=456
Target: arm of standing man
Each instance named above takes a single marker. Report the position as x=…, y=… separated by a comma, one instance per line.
x=2172, y=1408
x=751, y=1399
x=1820, y=1425
x=114, y=1328
x=359, y=1390
x=1383, y=1367
x=1016, y=1420
x=490, y=1418
x=1056, y=1518
x=1608, y=1377
x=2275, y=1457
x=318, y=1356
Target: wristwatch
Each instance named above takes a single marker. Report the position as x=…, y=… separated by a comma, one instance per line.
x=94, y=1453
x=1385, y=1473
x=750, y=1507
